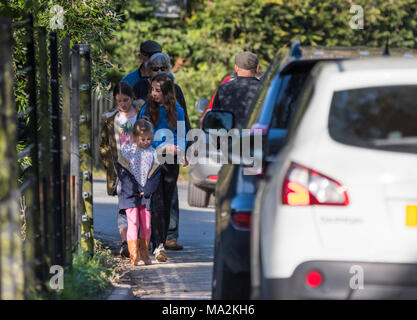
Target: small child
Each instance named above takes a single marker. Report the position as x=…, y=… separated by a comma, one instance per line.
x=138, y=171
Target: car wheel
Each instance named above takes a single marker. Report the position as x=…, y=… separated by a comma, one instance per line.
x=197, y=197
x=227, y=285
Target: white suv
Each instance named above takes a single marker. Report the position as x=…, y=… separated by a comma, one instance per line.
x=337, y=215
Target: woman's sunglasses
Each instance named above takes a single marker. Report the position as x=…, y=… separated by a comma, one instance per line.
x=156, y=69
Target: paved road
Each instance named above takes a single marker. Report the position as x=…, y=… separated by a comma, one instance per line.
x=187, y=274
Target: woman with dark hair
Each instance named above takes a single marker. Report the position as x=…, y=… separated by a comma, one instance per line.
x=160, y=63
x=117, y=131
x=168, y=119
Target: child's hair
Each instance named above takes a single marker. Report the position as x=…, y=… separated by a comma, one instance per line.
x=141, y=127
x=123, y=88
x=168, y=92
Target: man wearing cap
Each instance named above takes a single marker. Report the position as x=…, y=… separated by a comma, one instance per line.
x=147, y=49
x=237, y=95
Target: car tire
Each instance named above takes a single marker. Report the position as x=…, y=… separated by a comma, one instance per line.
x=197, y=197
x=227, y=285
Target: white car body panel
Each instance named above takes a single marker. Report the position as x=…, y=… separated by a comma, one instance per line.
x=379, y=184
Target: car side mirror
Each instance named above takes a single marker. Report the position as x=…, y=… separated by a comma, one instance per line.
x=200, y=105
x=218, y=119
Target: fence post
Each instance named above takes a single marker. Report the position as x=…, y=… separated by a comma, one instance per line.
x=85, y=144
x=11, y=257
x=81, y=144
x=66, y=149
x=98, y=128
x=33, y=249
x=45, y=188
x=59, y=231
x=75, y=151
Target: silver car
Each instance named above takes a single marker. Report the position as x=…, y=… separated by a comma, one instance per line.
x=202, y=177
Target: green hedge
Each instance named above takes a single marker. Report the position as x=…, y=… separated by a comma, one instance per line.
x=204, y=41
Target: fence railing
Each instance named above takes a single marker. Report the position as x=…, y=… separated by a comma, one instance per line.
x=48, y=215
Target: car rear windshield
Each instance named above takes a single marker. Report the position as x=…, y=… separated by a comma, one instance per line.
x=284, y=100
x=382, y=118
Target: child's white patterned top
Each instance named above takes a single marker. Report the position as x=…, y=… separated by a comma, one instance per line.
x=140, y=161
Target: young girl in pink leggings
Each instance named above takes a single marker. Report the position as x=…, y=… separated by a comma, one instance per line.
x=138, y=171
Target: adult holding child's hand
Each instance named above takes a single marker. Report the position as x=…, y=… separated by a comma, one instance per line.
x=171, y=149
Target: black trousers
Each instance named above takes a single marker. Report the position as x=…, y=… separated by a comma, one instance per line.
x=161, y=203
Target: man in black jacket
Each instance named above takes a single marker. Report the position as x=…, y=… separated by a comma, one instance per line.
x=237, y=95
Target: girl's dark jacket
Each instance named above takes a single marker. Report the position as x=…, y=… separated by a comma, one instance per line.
x=129, y=196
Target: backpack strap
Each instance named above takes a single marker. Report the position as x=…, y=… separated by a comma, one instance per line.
x=146, y=113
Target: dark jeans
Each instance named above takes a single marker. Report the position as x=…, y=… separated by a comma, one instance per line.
x=174, y=216
x=161, y=203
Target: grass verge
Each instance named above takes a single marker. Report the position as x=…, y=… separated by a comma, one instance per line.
x=89, y=277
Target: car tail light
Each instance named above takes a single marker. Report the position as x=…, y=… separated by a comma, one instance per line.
x=304, y=187
x=212, y=178
x=314, y=279
x=241, y=220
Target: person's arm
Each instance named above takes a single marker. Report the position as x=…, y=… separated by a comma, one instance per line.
x=105, y=149
x=181, y=100
x=124, y=151
x=181, y=139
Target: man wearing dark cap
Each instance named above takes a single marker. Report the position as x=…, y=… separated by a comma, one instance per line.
x=147, y=49
x=237, y=95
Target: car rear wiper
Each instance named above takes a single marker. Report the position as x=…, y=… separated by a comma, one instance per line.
x=395, y=142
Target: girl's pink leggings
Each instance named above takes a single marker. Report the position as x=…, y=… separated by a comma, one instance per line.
x=136, y=217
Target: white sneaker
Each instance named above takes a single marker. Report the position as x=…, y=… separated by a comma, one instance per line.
x=160, y=254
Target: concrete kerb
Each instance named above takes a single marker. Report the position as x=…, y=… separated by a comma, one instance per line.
x=122, y=292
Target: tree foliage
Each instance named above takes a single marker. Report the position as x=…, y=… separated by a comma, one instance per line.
x=203, y=42
x=86, y=21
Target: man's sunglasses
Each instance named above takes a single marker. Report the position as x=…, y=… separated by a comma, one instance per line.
x=156, y=69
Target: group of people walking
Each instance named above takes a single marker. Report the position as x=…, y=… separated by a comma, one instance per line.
x=148, y=102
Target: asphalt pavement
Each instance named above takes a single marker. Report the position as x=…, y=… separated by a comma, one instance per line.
x=187, y=274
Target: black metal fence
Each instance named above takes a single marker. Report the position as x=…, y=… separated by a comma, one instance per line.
x=48, y=216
